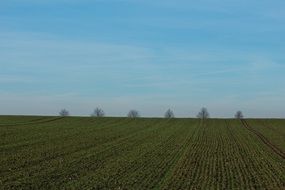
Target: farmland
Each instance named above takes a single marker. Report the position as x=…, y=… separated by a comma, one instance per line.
x=141, y=153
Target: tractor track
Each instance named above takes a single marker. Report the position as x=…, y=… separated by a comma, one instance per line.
x=37, y=121
x=267, y=142
x=271, y=128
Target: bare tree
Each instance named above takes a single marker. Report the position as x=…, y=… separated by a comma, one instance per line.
x=98, y=112
x=239, y=115
x=203, y=114
x=133, y=114
x=64, y=113
x=169, y=114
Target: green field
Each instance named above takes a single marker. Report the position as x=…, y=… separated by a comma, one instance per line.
x=122, y=153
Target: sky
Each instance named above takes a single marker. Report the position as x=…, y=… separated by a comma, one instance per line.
x=148, y=55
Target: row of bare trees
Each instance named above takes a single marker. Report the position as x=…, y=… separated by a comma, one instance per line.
x=98, y=112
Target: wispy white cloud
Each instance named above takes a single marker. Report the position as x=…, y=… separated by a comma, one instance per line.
x=5, y=78
x=131, y=76
x=42, y=52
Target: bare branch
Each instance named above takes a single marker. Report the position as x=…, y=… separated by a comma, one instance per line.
x=133, y=114
x=98, y=112
x=239, y=115
x=169, y=114
x=64, y=113
x=203, y=114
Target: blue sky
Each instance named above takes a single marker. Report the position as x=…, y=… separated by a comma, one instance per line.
x=226, y=55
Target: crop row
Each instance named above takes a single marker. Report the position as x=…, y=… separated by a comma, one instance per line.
x=270, y=131
x=66, y=161
x=121, y=153
x=225, y=156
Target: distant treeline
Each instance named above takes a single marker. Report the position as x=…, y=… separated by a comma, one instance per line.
x=98, y=112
